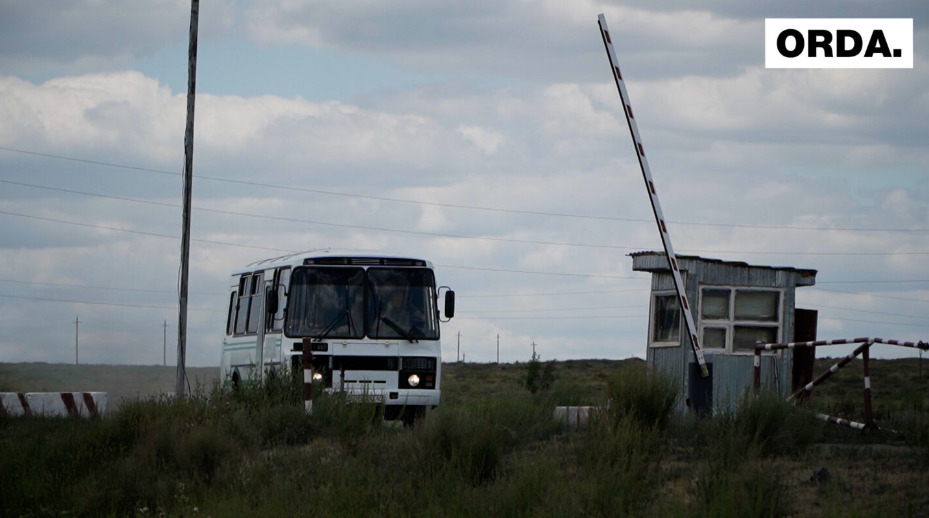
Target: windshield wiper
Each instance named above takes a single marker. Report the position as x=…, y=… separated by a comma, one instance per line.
x=331, y=325
x=406, y=335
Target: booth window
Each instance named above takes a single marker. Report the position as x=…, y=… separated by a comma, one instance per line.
x=666, y=318
x=733, y=319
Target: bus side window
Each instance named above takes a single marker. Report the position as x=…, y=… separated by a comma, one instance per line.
x=230, y=318
x=255, y=294
x=242, y=306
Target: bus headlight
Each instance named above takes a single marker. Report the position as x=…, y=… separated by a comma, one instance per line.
x=413, y=380
x=317, y=376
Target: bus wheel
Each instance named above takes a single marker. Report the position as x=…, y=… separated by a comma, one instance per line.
x=235, y=379
x=411, y=414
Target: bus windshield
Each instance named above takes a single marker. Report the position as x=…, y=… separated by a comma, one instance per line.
x=347, y=302
x=326, y=302
x=401, y=304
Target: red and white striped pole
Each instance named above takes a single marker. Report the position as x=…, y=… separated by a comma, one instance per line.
x=756, y=368
x=73, y=404
x=844, y=422
x=868, y=411
x=832, y=370
x=653, y=196
x=308, y=376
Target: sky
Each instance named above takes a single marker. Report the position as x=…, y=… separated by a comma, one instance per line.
x=485, y=136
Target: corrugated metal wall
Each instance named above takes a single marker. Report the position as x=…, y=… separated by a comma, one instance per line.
x=732, y=372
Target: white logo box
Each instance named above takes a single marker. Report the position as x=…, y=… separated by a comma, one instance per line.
x=838, y=43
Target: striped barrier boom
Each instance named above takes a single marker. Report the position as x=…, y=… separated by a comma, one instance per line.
x=844, y=422
x=835, y=368
x=653, y=197
x=923, y=346
x=865, y=342
x=844, y=341
x=53, y=404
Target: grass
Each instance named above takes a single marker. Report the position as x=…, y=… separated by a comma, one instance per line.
x=492, y=448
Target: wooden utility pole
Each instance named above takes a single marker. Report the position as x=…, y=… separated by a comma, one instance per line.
x=458, y=354
x=498, y=348
x=188, y=185
x=76, y=324
x=164, y=345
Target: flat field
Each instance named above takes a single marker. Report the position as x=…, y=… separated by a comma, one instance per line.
x=491, y=449
x=122, y=382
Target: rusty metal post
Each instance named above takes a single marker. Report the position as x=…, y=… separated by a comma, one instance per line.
x=308, y=376
x=757, y=370
x=868, y=413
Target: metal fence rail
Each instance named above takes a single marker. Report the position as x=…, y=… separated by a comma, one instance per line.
x=862, y=350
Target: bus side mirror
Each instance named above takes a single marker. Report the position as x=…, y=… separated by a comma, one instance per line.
x=449, y=304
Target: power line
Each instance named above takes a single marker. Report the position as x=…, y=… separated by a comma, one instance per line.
x=92, y=194
x=330, y=224
x=108, y=288
x=557, y=293
x=867, y=294
x=462, y=206
x=471, y=314
x=566, y=274
x=582, y=317
x=872, y=312
x=140, y=232
x=417, y=232
x=467, y=296
x=154, y=234
x=856, y=320
x=114, y=304
x=542, y=310
x=532, y=272
x=92, y=162
x=904, y=281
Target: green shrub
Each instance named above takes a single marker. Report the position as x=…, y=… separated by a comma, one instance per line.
x=620, y=458
x=776, y=426
x=539, y=378
x=737, y=493
x=646, y=398
x=493, y=451
x=466, y=442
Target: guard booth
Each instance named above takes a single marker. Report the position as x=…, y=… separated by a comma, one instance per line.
x=734, y=305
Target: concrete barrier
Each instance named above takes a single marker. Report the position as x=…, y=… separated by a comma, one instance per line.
x=54, y=404
x=576, y=417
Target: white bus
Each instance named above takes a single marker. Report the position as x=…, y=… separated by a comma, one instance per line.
x=372, y=322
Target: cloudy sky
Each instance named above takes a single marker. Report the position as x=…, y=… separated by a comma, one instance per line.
x=486, y=136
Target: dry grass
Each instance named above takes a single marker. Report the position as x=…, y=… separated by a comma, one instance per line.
x=491, y=449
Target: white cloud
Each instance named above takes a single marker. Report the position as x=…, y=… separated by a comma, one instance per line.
x=485, y=139
x=728, y=143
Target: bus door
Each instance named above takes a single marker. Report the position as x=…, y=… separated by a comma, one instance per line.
x=275, y=303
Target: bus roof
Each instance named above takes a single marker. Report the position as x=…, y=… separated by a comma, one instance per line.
x=329, y=256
